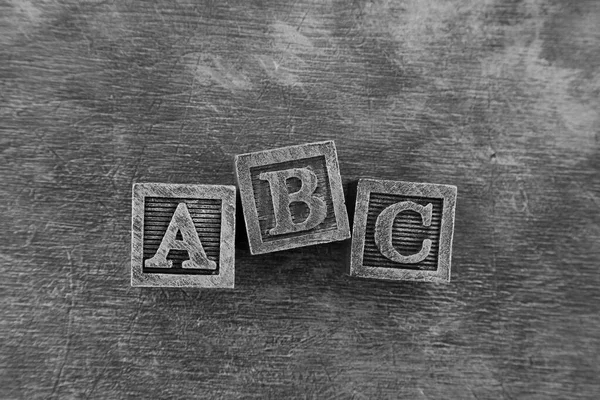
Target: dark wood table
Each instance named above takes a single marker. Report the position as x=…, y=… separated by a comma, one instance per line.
x=500, y=98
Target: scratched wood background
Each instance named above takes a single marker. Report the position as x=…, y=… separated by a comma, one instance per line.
x=500, y=98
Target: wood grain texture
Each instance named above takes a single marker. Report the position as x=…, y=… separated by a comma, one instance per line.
x=499, y=98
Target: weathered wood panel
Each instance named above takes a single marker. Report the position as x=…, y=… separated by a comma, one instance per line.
x=500, y=98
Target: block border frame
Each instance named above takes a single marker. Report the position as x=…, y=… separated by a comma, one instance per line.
x=243, y=163
x=226, y=277
x=365, y=187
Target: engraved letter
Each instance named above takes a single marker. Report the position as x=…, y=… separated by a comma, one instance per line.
x=181, y=222
x=383, y=231
x=282, y=200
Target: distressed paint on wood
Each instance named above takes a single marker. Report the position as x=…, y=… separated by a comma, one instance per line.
x=305, y=209
x=162, y=212
x=499, y=98
x=427, y=228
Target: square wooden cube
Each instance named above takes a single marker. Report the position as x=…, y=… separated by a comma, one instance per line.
x=292, y=197
x=183, y=235
x=403, y=231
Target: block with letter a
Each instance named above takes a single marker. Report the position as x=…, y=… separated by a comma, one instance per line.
x=403, y=231
x=292, y=197
x=183, y=235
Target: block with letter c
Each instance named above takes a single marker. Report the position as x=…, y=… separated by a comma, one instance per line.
x=403, y=231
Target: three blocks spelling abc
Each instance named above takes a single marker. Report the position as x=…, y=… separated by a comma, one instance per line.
x=184, y=235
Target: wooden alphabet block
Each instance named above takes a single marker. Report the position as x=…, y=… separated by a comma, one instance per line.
x=292, y=197
x=403, y=231
x=183, y=235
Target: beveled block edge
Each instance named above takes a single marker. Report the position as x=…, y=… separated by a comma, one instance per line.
x=242, y=165
x=367, y=185
x=226, y=193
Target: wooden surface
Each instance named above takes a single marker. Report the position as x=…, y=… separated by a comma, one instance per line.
x=500, y=98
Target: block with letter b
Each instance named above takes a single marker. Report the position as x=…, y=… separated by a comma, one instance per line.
x=183, y=235
x=292, y=197
x=403, y=231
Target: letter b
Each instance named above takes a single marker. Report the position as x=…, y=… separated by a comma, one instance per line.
x=282, y=200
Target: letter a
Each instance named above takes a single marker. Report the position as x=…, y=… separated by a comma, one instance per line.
x=181, y=222
x=282, y=200
x=383, y=231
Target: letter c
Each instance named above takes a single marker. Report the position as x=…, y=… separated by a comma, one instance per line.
x=383, y=231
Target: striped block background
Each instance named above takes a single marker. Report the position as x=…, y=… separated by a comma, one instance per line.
x=206, y=214
x=299, y=211
x=408, y=232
